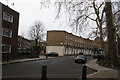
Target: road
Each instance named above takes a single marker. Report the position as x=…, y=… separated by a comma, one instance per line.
x=58, y=67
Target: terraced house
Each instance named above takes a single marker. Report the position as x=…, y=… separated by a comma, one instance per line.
x=9, y=20
x=66, y=43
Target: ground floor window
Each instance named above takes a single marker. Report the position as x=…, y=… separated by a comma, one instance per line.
x=7, y=32
x=6, y=48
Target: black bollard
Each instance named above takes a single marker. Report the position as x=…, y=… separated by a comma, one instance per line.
x=84, y=73
x=46, y=56
x=7, y=57
x=44, y=72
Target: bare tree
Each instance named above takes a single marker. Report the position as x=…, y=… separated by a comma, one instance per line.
x=37, y=32
x=81, y=13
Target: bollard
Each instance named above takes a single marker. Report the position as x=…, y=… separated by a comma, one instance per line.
x=7, y=57
x=84, y=72
x=46, y=56
x=44, y=72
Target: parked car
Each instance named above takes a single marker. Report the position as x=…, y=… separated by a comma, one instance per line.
x=92, y=54
x=81, y=59
x=97, y=56
x=80, y=53
x=52, y=54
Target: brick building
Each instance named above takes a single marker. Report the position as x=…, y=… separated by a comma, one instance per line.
x=66, y=43
x=9, y=20
x=24, y=43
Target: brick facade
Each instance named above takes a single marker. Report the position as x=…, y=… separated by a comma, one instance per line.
x=66, y=43
x=9, y=25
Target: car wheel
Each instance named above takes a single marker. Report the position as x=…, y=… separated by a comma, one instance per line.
x=75, y=61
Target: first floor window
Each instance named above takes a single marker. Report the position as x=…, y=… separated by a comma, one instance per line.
x=7, y=32
x=7, y=17
x=6, y=48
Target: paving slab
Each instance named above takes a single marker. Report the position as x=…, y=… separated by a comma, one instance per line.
x=102, y=72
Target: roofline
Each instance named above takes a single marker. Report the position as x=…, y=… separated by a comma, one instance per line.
x=9, y=7
x=69, y=33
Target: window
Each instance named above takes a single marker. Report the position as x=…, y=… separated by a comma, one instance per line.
x=71, y=38
x=79, y=41
x=75, y=40
x=6, y=48
x=7, y=17
x=7, y=32
x=66, y=37
x=65, y=43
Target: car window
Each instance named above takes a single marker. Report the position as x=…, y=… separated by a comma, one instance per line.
x=81, y=56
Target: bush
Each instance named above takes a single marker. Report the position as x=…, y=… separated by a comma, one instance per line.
x=119, y=60
x=101, y=61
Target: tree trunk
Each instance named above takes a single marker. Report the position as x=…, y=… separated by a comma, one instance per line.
x=118, y=45
x=112, y=53
x=36, y=45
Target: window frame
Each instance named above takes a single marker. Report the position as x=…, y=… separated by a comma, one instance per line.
x=7, y=17
x=7, y=51
x=5, y=34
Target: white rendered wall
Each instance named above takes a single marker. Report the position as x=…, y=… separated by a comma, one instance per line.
x=61, y=50
x=58, y=49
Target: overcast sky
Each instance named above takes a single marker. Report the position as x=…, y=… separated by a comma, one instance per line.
x=30, y=12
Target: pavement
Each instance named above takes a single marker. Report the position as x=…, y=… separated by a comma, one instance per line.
x=102, y=72
x=25, y=60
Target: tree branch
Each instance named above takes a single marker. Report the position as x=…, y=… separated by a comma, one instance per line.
x=101, y=5
x=90, y=18
x=116, y=12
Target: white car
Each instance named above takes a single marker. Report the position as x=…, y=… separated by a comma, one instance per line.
x=81, y=59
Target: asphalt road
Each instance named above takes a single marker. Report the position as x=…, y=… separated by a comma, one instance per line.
x=58, y=67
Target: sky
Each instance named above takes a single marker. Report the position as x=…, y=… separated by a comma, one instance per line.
x=31, y=11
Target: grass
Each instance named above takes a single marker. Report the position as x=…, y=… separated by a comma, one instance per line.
x=103, y=61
